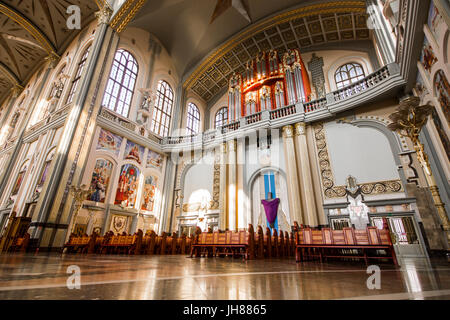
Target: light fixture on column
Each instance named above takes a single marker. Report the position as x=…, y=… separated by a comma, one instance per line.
x=408, y=121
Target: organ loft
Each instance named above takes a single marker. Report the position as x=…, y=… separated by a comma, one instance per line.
x=254, y=141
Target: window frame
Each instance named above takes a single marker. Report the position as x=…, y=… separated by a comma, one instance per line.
x=342, y=83
x=119, y=79
x=162, y=109
x=76, y=80
x=193, y=119
x=223, y=112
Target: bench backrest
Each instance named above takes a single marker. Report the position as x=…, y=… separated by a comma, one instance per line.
x=361, y=237
x=317, y=236
x=327, y=236
x=338, y=237
x=349, y=236
x=373, y=235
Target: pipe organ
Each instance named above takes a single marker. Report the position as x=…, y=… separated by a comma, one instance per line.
x=268, y=84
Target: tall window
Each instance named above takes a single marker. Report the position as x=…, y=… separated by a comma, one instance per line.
x=121, y=83
x=193, y=119
x=221, y=117
x=163, y=109
x=348, y=74
x=77, y=78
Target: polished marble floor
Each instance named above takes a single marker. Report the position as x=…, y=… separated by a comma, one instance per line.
x=45, y=276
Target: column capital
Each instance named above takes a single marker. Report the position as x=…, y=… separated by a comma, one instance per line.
x=232, y=145
x=104, y=14
x=17, y=90
x=300, y=129
x=53, y=60
x=223, y=148
x=288, y=131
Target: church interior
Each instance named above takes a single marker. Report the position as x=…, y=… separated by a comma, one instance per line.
x=226, y=149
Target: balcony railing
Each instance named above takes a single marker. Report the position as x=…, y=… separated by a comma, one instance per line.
x=362, y=85
x=374, y=85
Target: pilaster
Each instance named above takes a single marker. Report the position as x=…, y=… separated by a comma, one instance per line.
x=306, y=181
x=295, y=206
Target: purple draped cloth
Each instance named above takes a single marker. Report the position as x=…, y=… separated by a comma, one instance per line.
x=271, y=208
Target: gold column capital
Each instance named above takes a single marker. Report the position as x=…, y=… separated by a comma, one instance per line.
x=53, y=60
x=223, y=148
x=17, y=90
x=300, y=129
x=288, y=131
x=232, y=145
x=104, y=14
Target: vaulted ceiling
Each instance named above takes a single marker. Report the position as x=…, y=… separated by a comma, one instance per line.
x=206, y=53
x=31, y=30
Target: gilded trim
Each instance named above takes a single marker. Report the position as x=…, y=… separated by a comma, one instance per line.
x=126, y=13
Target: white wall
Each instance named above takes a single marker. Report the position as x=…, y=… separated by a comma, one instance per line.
x=364, y=153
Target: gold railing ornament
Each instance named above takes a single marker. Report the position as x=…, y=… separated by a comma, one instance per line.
x=79, y=195
x=408, y=121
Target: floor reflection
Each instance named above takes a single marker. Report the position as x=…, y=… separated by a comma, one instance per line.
x=44, y=276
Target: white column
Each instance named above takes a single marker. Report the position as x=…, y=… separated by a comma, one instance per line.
x=223, y=187
x=232, y=179
x=295, y=206
x=304, y=170
x=241, y=196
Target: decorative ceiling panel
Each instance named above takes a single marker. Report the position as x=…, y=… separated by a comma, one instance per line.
x=297, y=32
x=31, y=30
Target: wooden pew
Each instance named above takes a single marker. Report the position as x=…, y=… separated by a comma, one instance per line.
x=224, y=243
x=20, y=244
x=344, y=244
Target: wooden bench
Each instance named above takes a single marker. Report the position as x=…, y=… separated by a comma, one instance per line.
x=77, y=243
x=347, y=243
x=123, y=243
x=20, y=244
x=224, y=243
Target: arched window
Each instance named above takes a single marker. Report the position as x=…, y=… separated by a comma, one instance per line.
x=121, y=83
x=163, y=109
x=221, y=117
x=77, y=78
x=193, y=119
x=348, y=74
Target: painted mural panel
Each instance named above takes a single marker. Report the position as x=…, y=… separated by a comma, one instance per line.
x=427, y=58
x=19, y=179
x=148, y=195
x=435, y=21
x=154, y=160
x=134, y=152
x=100, y=180
x=108, y=141
x=128, y=185
x=442, y=90
x=441, y=132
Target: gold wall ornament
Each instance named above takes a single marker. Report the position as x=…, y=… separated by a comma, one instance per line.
x=17, y=90
x=232, y=145
x=300, y=129
x=288, y=131
x=79, y=195
x=104, y=14
x=408, y=121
